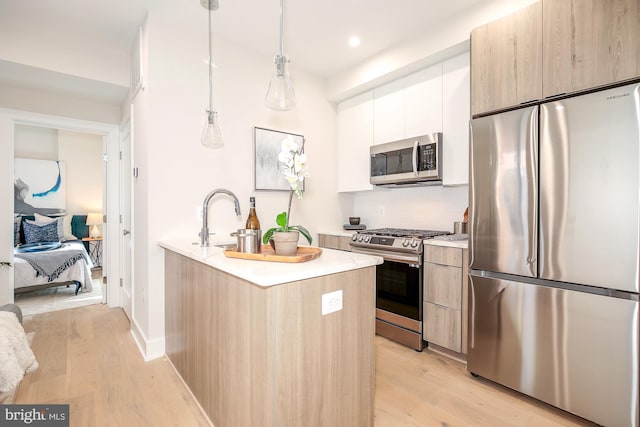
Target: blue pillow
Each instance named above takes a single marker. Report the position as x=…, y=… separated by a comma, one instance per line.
x=36, y=233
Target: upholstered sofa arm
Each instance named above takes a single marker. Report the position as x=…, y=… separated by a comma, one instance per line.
x=14, y=309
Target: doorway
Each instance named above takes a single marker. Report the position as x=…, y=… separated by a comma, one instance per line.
x=110, y=135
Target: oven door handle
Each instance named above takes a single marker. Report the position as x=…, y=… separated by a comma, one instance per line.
x=411, y=260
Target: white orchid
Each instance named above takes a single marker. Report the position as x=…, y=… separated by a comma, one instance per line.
x=293, y=164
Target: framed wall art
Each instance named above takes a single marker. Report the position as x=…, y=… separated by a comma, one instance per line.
x=39, y=186
x=267, y=144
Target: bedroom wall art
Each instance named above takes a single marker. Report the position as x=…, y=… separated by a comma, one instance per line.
x=267, y=145
x=39, y=186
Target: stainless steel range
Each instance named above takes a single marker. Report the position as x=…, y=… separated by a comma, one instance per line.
x=398, y=280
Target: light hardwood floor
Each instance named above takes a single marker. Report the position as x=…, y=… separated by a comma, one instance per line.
x=88, y=359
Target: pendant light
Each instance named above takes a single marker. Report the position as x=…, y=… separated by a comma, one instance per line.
x=211, y=133
x=280, y=94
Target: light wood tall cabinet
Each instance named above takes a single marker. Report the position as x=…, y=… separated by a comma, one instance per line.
x=589, y=43
x=445, y=297
x=551, y=48
x=506, y=61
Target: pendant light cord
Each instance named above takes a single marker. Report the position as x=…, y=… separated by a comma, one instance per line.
x=281, y=26
x=209, y=65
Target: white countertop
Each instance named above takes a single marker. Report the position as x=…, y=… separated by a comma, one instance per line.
x=462, y=244
x=265, y=273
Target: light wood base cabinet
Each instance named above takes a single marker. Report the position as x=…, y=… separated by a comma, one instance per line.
x=445, y=297
x=333, y=241
x=266, y=356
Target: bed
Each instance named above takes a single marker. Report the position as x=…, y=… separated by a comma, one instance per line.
x=42, y=267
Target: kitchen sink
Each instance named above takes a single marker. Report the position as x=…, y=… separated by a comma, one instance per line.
x=227, y=246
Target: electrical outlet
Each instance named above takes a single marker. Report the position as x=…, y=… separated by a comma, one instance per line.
x=380, y=210
x=331, y=302
x=199, y=213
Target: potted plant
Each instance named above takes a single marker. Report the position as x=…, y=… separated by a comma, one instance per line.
x=294, y=167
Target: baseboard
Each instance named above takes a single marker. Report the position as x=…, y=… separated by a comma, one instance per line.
x=150, y=349
x=189, y=389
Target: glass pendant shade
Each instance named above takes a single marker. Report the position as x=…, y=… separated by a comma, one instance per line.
x=280, y=94
x=211, y=133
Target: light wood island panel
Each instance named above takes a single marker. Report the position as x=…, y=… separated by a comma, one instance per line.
x=256, y=355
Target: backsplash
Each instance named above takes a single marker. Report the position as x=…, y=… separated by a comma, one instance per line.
x=434, y=208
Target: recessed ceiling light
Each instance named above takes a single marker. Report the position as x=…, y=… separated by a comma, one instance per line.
x=354, y=41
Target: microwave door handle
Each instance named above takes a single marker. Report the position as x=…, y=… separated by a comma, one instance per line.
x=415, y=158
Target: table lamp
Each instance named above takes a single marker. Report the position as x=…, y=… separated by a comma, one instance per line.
x=94, y=220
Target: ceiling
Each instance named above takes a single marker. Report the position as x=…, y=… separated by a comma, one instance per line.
x=316, y=32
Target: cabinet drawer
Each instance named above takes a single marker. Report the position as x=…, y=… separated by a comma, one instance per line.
x=442, y=326
x=443, y=255
x=443, y=285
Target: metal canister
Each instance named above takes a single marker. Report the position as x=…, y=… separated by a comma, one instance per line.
x=248, y=240
x=459, y=228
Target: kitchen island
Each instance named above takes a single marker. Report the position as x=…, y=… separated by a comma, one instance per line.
x=251, y=341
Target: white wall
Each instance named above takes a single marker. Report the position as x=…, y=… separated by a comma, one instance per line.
x=82, y=154
x=34, y=101
x=35, y=142
x=447, y=39
x=176, y=172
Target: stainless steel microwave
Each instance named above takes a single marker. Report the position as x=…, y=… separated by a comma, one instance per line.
x=408, y=162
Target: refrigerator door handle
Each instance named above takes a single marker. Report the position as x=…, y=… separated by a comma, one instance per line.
x=532, y=182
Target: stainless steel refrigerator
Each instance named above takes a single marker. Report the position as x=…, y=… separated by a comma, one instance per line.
x=554, y=252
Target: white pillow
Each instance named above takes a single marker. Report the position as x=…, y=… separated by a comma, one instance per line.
x=64, y=225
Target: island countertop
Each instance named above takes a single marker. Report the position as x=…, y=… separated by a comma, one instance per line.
x=266, y=273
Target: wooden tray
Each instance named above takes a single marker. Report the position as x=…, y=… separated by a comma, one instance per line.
x=305, y=253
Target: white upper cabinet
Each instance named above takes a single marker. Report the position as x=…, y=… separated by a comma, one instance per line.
x=455, y=120
x=355, y=136
x=408, y=107
x=423, y=102
x=388, y=112
x=435, y=99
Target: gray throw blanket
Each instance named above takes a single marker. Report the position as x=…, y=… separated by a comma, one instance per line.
x=51, y=264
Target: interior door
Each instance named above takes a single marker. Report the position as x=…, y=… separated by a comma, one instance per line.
x=126, y=241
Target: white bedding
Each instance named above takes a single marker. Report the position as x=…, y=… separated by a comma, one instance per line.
x=25, y=275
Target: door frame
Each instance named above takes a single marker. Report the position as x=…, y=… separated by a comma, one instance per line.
x=111, y=142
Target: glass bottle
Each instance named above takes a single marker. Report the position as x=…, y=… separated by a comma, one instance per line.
x=253, y=223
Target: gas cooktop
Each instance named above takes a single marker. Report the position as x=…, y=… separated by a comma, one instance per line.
x=405, y=233
x=393, y=239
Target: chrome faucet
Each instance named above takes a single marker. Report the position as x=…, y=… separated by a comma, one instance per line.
x=204, y=233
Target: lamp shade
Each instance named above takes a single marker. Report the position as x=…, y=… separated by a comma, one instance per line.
x=94, y=220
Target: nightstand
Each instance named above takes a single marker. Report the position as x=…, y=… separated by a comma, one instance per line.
x=95, y=250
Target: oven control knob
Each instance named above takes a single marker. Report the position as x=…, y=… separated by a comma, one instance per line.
x=354, y=237
x=360, y=238
x=367, y=239
x=414, y=243
x=405, y=242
